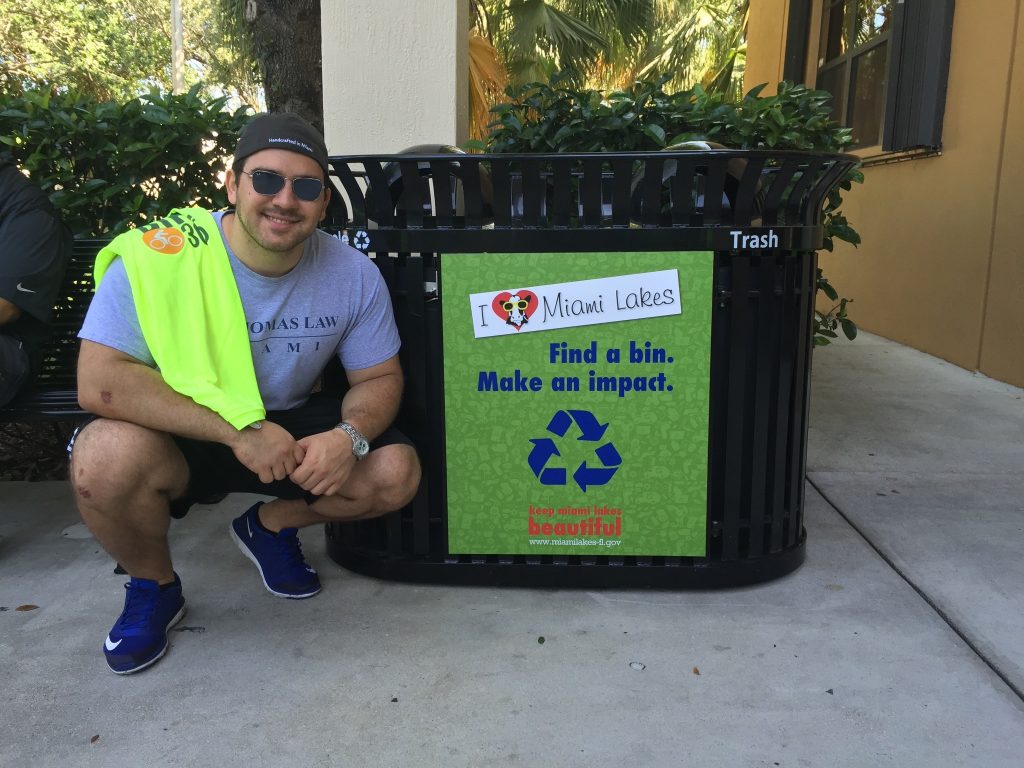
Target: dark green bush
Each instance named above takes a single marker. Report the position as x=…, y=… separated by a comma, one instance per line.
x=553, y=117
x=108, y=166
x=547, y=117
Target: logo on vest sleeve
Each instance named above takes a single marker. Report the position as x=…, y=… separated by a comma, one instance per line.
x=167, y=240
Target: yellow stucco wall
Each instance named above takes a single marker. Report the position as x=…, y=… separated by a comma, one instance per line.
x=1002, y=348
x=766, y=43
x=940, y=267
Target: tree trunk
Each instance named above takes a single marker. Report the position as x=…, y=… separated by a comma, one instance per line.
x=286, y=42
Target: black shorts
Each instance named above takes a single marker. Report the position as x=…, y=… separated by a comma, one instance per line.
x=214, y=470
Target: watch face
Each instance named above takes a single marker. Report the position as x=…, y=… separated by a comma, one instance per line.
x=360, y=446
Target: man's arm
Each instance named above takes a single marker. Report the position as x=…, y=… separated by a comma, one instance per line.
x=117, y=386
x=370, y=405
x=374, y=394
x=8, y=312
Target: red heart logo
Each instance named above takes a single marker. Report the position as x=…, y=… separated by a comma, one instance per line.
x=515, y=307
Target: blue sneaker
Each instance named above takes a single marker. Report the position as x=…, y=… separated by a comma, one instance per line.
x=139, y=638
x=277, y=556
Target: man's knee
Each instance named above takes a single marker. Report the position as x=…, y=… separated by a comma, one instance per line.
x=397, y=476
x=110, y=457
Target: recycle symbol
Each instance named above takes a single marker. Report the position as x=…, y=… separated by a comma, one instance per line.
x=586, y=475
x=362, y=240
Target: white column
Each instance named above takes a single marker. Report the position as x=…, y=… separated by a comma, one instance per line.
x=395, y=74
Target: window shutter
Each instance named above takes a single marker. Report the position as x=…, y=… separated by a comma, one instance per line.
x=918, y=70
x=795, y=60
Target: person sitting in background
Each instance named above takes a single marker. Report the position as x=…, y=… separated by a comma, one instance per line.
x=34, y=250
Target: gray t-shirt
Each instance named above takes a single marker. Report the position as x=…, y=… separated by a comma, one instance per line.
x=333, y=302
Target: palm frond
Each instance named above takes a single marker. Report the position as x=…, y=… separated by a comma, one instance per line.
x=611, y=43
x=693, y=42
x=533, y=19
x=487, y=81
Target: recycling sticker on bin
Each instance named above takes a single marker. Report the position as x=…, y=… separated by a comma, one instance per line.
x=576, y=402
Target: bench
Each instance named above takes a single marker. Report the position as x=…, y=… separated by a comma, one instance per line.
x=52, y=396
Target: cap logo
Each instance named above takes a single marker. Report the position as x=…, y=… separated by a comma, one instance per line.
x=284, y=131
x=304, y=146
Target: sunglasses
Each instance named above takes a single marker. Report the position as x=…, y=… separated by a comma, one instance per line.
x=508, y=306
x=269, y=183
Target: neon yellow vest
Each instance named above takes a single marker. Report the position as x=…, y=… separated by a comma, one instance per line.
x=190, y=312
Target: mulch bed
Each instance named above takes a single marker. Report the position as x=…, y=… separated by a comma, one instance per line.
x=34, y=451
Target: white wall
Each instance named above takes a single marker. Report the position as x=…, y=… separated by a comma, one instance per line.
x=395, y=74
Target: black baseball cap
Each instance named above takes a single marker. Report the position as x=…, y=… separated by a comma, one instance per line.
x=282, y=130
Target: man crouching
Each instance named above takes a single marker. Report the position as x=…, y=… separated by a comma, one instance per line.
x=199, y=352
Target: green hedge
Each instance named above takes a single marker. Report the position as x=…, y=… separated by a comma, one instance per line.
x=108, y=167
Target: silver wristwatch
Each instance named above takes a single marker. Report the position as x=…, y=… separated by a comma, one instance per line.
x=360, y=445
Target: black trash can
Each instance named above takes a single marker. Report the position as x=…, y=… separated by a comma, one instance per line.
x=607, y=361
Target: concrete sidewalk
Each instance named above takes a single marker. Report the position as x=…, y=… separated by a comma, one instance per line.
x=899, y=642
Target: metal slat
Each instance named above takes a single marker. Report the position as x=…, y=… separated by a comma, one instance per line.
x=562, y=179
x=444, y=200
x=622, y=182
x=749, y=183
x=591, y=189
x=472, y=191
x=357, y=199
x=501, y=177
x=395, y=540
x=714, y=192
x=415, y=193
x=411, y=277
x=415, y=337
x=778, y=180
x=765, y=351
x=816, y=197
x=534, y=197
x=432, y=443
x=736, y=407
x=651, y=192
x=783, y=407
x=801, y=401
x=795, y=202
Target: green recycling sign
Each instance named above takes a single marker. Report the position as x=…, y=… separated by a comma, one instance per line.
x=576, y=402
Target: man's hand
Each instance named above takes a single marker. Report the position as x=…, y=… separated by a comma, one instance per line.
x=327, y=464
x=271, y=452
